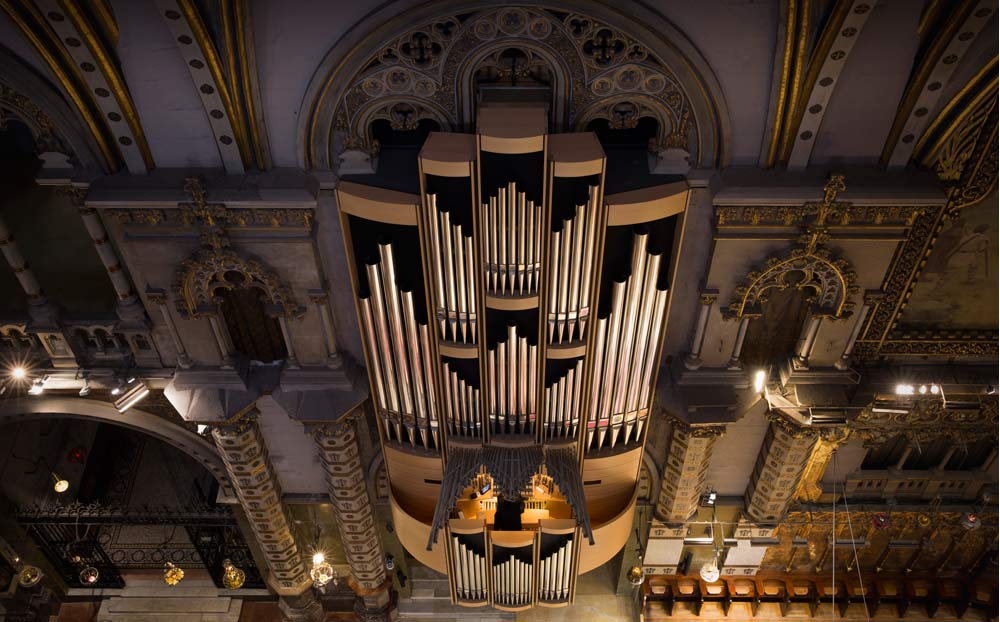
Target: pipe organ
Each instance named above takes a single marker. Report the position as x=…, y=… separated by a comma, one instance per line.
x=510, y=295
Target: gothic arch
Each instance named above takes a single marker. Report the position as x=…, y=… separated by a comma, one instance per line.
x=829, y=282
x=427, y=41
x=200, y=277
x=63, y=144
x=174, y=435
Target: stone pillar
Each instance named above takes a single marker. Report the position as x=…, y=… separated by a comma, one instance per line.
x=322, y=301
x=159, y=298
x=291, y=360
x=242, y=448
x=780, y=466
x=44, y=315
x=741, y=334
x=684, y=474
x=345, y=476
x=223, y=340
x=706, y=300
x=806, y=341
x=871, y=298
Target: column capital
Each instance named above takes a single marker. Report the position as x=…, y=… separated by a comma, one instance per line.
x=708, y=297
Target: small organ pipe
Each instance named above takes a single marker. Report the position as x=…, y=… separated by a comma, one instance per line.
x=512, y=372
x=513, y=246
x=562, y=401
x=570, y=271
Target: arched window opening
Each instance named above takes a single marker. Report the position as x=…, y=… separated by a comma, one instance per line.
x=256, y=334
x=514, y=76
x=772, y=337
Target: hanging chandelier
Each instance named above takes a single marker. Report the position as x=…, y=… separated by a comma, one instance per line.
x=232, y=577
x=172, y=575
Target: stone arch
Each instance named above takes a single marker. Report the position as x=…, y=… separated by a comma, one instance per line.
x=174, y=435
x=66, y=148
x=830, y=281
x=336, y=91
x=467, y=70
x=199, y=278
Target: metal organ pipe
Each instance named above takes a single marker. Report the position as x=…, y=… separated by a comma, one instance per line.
x=512, y=375
x=513, y=242
x=562, y=404
x=399, y=356
x=625, y=350
x=453, y=263
x=461, y=405
x=570, y=272
x=469, y=568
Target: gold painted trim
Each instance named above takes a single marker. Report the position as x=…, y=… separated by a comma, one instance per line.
x=105, y=17
x=975, y=84
x=817, y=59
x=112, y=75
x=244, y=52
x=783, y=95
x=214, y=65
x=924, y=66
x=109, y=151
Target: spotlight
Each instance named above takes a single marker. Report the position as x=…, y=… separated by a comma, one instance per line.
x=905, y=389
x=18, y=373
x=132, y=396
x=758, y=380
x=923, y=389
x=319, y=557
x=29, y=576
x=37, y=387
x=59, y=484
x=935, y=389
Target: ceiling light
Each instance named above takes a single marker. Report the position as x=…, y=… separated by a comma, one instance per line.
x=905, y=389
x=59, y=484
x=232, y=577
x=935, y=389
x=321, y=572
x=319, y=557
x=132, y=396
x=29, y=576
x=758, y=380
x=923, y=389
x=18, y=373
x=89, y=575
x=172, y=575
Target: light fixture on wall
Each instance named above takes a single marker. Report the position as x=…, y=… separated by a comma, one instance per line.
x=759, y=380
x=131, y=393
x=59, y=484
x=636, y=576
x=18, y=372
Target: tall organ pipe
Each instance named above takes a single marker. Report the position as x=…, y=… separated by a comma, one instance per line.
x=453, y=262
x=512, y=376
x=570, y=272
x=513, y=242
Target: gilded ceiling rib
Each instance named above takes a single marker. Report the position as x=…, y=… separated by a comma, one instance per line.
x=955, y=114
x=792, y=66
x=41, y=37
x=105, y=59
x=237, y=31
x=946, y=37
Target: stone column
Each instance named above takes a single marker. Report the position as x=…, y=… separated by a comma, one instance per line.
x=242, y=448
x=806, y=341
x=44, y=315
x=158, y=297
x=741, y=334
x=684, y=474
x=322, y=301
x=222, y=339
x=706, y=300
x=291, y=359
x=345, y=476
x=871, y=298
x=780, y=466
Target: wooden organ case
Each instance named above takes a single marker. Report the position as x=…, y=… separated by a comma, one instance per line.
x=512, y=304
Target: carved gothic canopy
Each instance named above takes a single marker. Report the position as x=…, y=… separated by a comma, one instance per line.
x=828, y=282
x=432, y=67
x=201, y=278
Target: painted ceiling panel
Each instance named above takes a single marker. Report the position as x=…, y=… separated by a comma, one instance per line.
x=864, y=103
x=737, y=40
x=292, y=38
x=171, y=112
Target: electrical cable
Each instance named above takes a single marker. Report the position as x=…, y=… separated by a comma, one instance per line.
x=857, y=564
